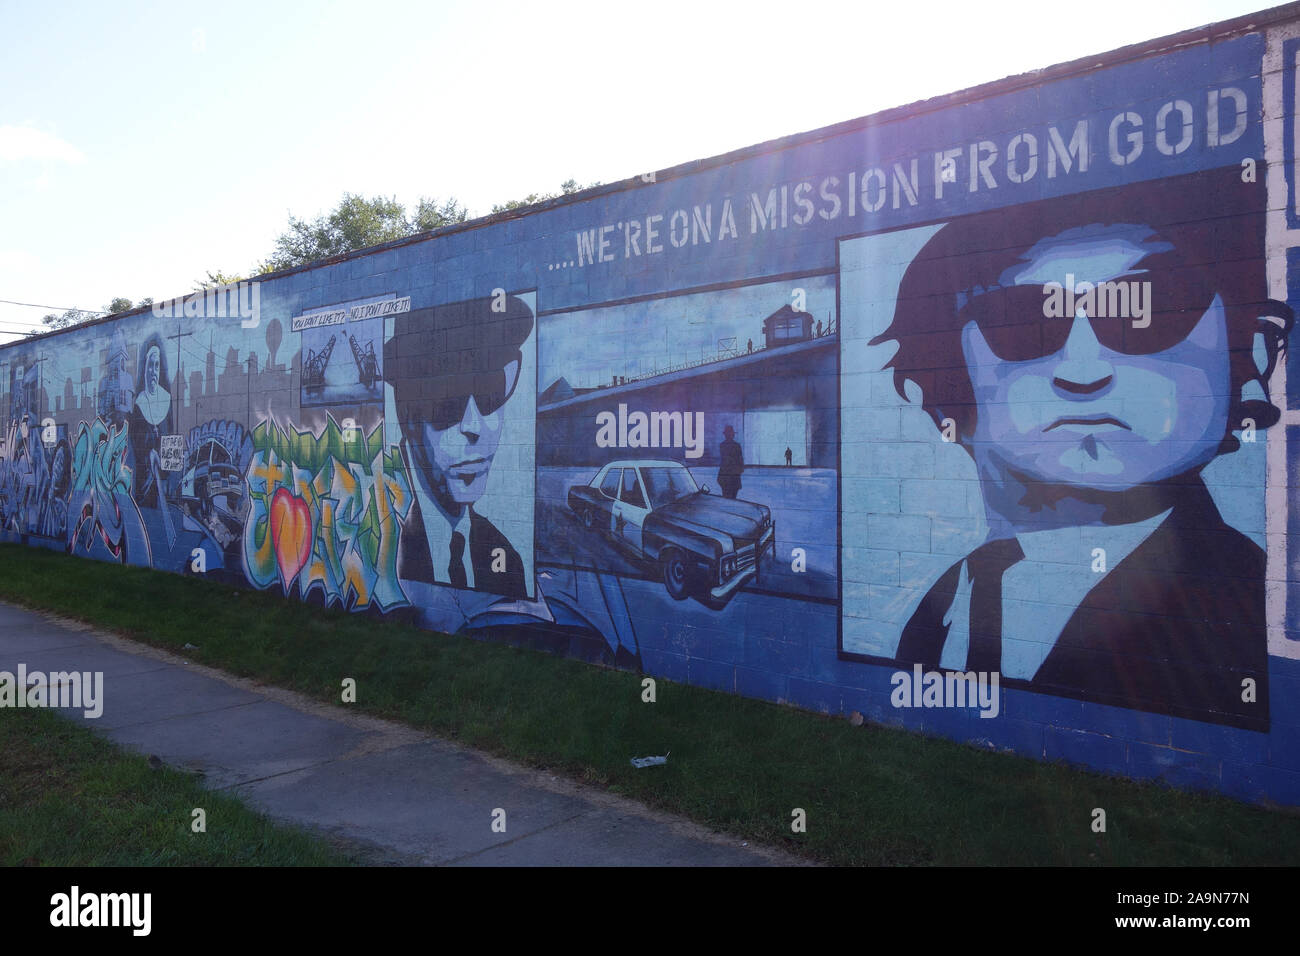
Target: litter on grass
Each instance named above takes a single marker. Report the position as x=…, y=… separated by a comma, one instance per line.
x=650, y=761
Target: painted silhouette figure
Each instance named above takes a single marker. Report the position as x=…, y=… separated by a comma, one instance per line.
x=789, y=457
x=731, y=465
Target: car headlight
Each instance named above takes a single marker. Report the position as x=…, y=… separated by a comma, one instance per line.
x=728, y=566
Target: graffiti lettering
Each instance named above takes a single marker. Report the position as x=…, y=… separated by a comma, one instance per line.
x=325, y=513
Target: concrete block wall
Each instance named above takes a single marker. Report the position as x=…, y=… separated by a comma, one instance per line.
x=750, y=422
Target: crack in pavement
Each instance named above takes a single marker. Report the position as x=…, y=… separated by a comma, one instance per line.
x=522, y=836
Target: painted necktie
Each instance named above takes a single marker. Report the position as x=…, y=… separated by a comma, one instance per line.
x=456, y=567
x=986, y=566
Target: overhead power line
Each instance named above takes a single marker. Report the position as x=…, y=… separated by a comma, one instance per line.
x=57, y=308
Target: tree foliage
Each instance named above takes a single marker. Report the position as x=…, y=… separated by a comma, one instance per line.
x=566, y=187
x=355, y=223
x=214, y=280
x=429, y=215
x=54, y=321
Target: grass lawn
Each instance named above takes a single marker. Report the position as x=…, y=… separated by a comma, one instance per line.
x=872, y=795
x=70, y=798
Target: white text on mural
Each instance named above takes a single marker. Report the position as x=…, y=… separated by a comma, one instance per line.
x=1165, y=131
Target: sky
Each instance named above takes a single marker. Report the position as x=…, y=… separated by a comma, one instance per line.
x=144, y=144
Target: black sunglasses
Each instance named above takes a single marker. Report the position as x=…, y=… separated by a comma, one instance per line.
x=450, y=396
x=1017, y=325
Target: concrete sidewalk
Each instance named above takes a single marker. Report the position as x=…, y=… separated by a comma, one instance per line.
x=393, y=793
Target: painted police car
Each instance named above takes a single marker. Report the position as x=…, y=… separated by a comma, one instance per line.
x=703, y=545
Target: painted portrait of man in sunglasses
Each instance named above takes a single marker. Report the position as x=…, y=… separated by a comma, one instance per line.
x=1108, y=573
x=453, y=369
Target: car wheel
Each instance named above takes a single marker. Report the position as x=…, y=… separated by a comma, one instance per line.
x=674, y=567
x=588, y=519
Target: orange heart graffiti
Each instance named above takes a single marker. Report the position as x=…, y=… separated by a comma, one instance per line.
x=290, y=534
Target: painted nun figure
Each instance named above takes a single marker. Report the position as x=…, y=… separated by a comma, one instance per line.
x=150, y=417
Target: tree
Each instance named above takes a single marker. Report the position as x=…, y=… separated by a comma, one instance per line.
x=429, y=215
x=215, y=280
x=355, y=223
x=566, y=187
x=53, y=322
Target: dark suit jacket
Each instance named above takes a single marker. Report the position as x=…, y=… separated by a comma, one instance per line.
x=1173, y=629
x=414, y=564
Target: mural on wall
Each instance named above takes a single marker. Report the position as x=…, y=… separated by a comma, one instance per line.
x=455, y=370
x=212, y=490
x=101, y=511
x=989, y=394
x=34, y=480
x=150, y=419
x=106, y=490
x=1079, y=376
x=324, y=515
x=342, y=348
x=680, y=476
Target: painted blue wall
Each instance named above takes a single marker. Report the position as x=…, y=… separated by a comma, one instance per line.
x=425, y=428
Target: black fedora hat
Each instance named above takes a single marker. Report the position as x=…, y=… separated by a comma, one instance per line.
x=441, y=355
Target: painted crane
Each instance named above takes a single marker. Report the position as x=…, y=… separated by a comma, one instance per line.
x=367, y=364
x=313, y=371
